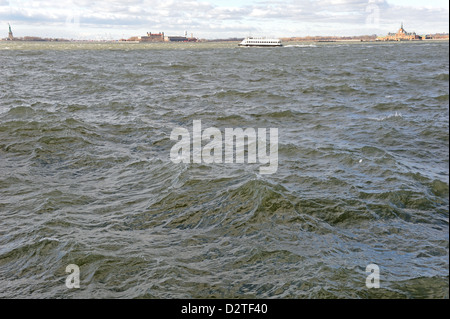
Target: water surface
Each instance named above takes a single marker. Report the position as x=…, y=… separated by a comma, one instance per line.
x=86, y=177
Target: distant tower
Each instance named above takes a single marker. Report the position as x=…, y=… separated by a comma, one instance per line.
x=10, y=34
x=402, y=30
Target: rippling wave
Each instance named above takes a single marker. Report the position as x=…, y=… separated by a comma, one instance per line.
x=86, y=176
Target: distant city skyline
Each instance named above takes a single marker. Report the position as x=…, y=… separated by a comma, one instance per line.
x=209, y=19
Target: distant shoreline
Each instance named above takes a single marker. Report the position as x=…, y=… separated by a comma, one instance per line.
x=284, y=40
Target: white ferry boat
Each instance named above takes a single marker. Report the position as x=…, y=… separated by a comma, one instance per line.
x=260, y=42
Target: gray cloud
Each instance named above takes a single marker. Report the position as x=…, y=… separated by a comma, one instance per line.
x=170, y=14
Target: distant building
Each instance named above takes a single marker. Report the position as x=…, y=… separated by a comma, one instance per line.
x=180, y=39
x=176, y=39
x=437, y=36
x=152, y=37
x=401, y=35
x=159, y=37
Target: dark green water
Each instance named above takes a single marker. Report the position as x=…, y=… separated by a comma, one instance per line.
x=86, y=177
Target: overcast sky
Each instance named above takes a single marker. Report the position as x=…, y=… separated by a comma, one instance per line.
x=114, y=19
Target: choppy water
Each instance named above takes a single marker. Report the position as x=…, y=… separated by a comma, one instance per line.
x=86, y=178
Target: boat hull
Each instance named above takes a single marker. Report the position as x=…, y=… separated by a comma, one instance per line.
x=261, y=45
x=260, y=42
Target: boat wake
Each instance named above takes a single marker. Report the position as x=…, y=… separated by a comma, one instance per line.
x=300, y=46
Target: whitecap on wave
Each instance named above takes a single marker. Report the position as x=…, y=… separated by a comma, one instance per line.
x=382, y=118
